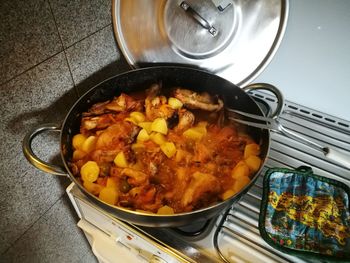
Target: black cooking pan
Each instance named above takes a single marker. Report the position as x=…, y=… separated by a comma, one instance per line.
x=138, y=80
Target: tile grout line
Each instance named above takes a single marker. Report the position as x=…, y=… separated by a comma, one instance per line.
x=30, y=68
x=46, y=59
x=64, y=50
x=71, y=74
x=17, y=239
x=65, y=54
x=98, y=30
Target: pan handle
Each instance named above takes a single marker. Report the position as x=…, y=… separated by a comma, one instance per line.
x=330, y=153
x=33, y=158
x=274, y=90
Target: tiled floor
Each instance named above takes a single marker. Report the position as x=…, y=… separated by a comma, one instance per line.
x=51, y=51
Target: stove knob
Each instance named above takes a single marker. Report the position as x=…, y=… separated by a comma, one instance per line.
x=156, y=259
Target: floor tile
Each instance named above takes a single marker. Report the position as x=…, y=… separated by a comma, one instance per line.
x=77, y=19
x=28, y=36
x=43, y=94
x=53, y=238
x=94, y=59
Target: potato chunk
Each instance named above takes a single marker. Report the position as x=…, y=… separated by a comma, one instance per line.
x=240, y=183
x=93, y=188
x=227, y=194
x=159, y=125
x=158, y=138
x=175, y=103
x=120, y=160
x=168, y=148
x=253, y=163
x=165, y=210
x=143, y=136
x=109, y=195
x=78, y=155
x=137, y=116
x=251, y=149
x=89, y=171
x=193, y=134
x=146, y=125
x=240, y=170
x=89, y=144
x=78, y=140
x=112, y=182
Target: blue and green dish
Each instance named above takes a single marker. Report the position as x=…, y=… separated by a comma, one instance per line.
x=306, y=215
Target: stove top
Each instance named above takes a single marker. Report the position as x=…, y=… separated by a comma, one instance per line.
x=234, y=235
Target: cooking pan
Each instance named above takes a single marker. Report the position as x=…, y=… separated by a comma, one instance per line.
x=138, y=80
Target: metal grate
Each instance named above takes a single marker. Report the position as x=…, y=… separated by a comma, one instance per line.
x=237, y=238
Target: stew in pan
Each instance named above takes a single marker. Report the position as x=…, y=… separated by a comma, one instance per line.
x=162, y=151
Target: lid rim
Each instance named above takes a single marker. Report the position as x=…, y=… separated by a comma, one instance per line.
x=213, y=61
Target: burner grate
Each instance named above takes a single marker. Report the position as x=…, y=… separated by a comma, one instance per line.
x=237, y=236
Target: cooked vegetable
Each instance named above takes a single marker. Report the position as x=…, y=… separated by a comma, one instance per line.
x=120, y=160
x=253, y=163
x=239, y=184
x=143, y=135
x=78, y=154
x=89, y=144
x=227, y=194
x=194, y=134
x=93, y=188
x=89, y=171
x=109, y=195
x=158, y=138
x=251, y=149
x=168, y=148
x=159, y=125
x=78, y=140
x=137, y=116
x=165, y=210
x=112, y=182
x=124, y=186
x=240, y=170
x=147, y=125
x=174, y=103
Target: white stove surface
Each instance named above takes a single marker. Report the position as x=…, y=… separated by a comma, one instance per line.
x=312, y=64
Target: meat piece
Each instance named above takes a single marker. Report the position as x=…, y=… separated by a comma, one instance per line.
x=119, y=104
x=186, y=120
x=103, y=156
x=202, y=187
x=194, y=100
x=156, y=106
x=117, y=136
x=134, y=177
x=90, y=123
x=144, y=198
x=202, y=153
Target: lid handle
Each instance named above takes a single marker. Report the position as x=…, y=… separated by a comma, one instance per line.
x=202, y=21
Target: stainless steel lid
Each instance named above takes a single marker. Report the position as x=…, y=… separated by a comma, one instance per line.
x=234, y=39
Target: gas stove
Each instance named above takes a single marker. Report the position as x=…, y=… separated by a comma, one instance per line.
x=234, y=235
x=310, y=67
